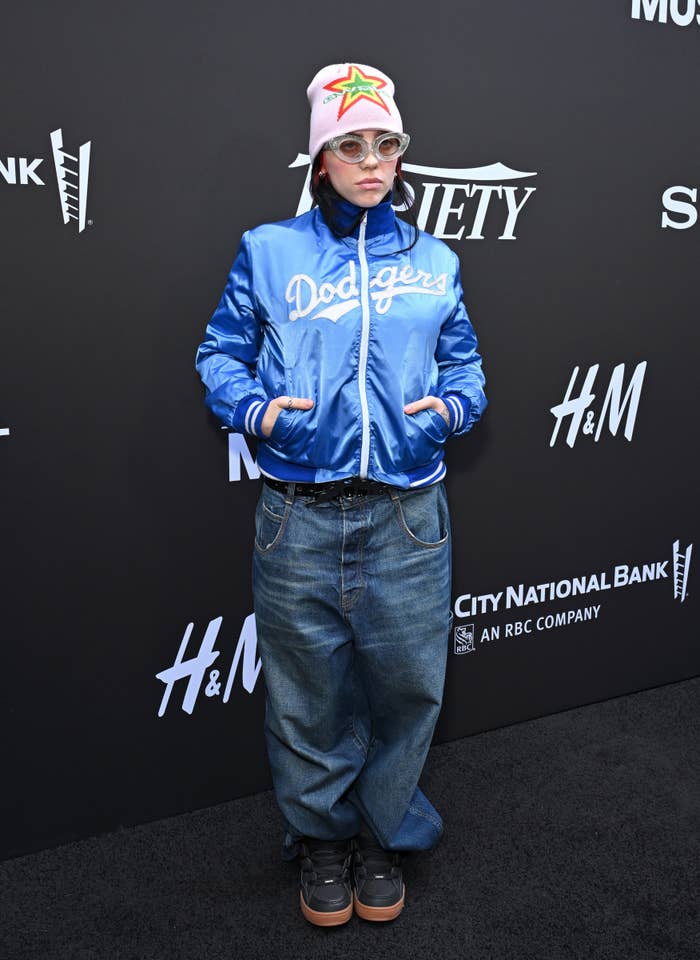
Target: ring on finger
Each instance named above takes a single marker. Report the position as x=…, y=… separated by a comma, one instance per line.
x=290, y=403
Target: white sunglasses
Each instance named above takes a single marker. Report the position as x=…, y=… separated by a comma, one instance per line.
x=352, y=148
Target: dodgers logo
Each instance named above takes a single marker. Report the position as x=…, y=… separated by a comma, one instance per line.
x=335, y=300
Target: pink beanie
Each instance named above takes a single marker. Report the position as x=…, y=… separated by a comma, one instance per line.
x=350, y=96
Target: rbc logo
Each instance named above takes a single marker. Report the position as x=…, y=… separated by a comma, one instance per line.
x=464, y=638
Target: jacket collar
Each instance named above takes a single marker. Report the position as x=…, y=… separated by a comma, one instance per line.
x=380, y=219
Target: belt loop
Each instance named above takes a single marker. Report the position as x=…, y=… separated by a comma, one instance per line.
x=393, y=493
x=289, y=495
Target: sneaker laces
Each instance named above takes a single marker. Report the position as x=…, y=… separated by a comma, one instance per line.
x=326, y=859
x=378, y=861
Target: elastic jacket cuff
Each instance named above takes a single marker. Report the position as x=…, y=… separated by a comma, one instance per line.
x=249, y=415
x=460, y=408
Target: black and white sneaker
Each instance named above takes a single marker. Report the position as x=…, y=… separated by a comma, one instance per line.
x=326, y=891
x=378, y=881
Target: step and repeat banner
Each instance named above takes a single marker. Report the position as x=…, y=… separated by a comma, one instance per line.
x=554, y=150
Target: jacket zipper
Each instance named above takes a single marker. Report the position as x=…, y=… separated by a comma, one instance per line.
x=364, y=349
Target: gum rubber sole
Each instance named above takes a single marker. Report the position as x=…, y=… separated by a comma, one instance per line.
x=325, y=919
x=379, y=913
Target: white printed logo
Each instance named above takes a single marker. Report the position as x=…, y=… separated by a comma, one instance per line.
x=614, y=405
x=683, y=12
x=27, y=171
x=441, y=207
x=194, y=669
x=621, y=575
x=464, y=638
x=681, y=568
x=72, y=180
x=685, y=209
x=72, y=173
x=239, y=451
x=389, y=282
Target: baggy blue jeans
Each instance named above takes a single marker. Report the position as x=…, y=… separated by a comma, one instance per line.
x=352, y=605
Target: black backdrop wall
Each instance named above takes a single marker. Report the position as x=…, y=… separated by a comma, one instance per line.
x=553, y=147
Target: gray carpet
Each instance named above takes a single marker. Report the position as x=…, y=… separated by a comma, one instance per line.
x=571, y=836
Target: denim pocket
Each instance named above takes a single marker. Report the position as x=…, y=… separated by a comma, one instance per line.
x=270, y=519
x=423, y=516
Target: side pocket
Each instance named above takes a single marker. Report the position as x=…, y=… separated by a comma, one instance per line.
x=271, y=516
x=422, y=515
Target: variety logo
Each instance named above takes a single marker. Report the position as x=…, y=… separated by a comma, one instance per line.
x=72, y=172
x=686, y=210
x=614, y=405
x=520, y=595
x=681, y=12
x=442, y=207
x=195, y=668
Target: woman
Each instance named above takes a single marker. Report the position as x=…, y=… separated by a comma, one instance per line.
x=342, y=344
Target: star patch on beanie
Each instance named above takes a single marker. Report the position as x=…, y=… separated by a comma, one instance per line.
x=350, y=96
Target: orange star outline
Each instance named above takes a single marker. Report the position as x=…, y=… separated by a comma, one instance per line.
x=355, y=87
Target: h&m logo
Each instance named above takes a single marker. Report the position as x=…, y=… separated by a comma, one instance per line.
x=239, y=453
x=682, y=12
x=194, y=669
x=614, y=405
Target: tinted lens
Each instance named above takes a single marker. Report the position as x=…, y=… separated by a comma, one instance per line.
x=350, y=149
x=389, y=147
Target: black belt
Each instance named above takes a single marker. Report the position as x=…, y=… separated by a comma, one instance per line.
x=350, y=487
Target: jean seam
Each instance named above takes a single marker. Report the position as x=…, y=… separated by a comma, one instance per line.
x=347, y=604
x=417, y=812
x=359, y=742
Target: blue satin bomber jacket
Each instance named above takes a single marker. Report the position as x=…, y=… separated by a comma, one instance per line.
x=356, y=328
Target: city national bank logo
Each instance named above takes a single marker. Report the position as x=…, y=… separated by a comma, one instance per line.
x=681, y=567
x=72, y=169
x=195, y=668
x=516, y=596
x=681, y=12
x=453, y=203
x=613, y=409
